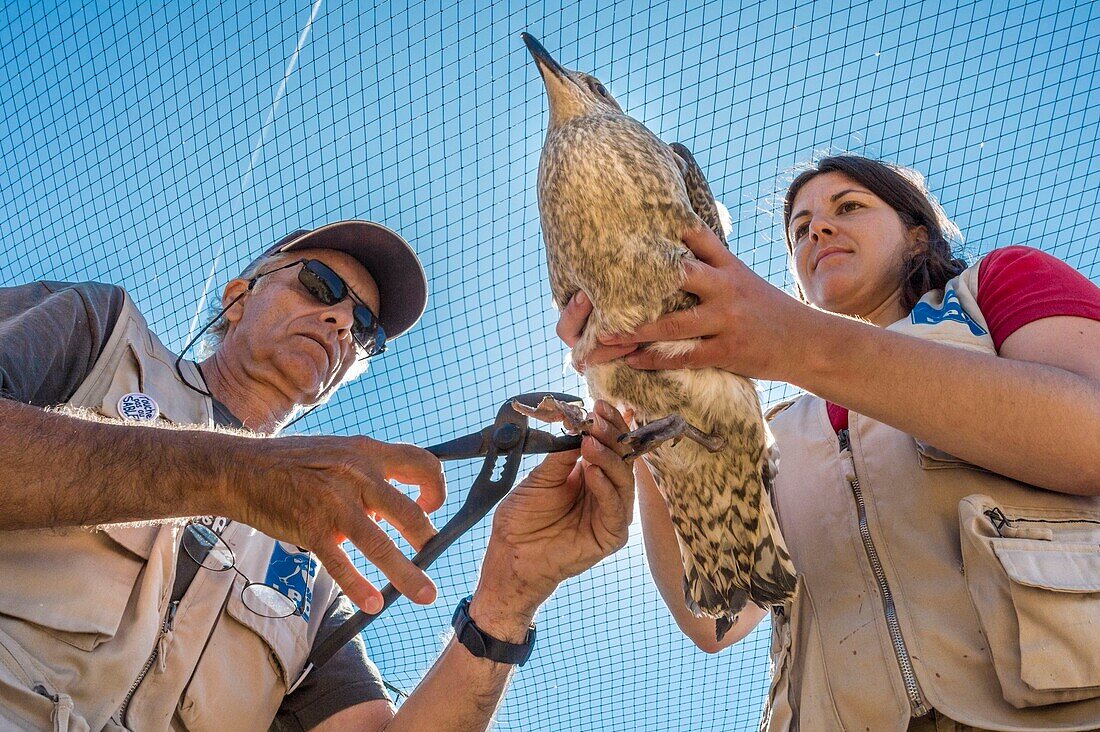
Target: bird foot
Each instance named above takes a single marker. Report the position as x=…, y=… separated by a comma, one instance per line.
x=574, y=418
x=673, y=427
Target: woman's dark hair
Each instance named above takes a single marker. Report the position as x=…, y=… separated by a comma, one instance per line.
x=904, y=190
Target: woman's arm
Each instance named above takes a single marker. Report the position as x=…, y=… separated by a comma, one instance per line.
x=1033, y=413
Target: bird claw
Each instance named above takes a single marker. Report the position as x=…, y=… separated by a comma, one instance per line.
x=649, y=437
x=574, y=418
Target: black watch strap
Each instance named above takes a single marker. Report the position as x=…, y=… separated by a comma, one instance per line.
x=483, y=645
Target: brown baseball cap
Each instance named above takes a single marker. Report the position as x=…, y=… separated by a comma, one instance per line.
x=402, y=286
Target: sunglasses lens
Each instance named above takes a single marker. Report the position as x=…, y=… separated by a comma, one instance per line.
x=322, y=282
x=329, y=288
x=368, y=331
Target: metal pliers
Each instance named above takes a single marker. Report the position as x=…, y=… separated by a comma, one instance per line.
x=509, y=438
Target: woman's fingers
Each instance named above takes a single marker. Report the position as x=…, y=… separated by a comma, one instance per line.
x=706, y=246
x=669, y=327
x=573, y=318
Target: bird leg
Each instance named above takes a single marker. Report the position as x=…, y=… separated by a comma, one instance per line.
x=574, y=418
x=673, y=427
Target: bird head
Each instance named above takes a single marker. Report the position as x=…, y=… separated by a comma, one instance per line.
x=571, y=93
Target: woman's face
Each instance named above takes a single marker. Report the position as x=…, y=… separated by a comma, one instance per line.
x=848, y=248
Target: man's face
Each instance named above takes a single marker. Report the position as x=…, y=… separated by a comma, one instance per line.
x=284, y=338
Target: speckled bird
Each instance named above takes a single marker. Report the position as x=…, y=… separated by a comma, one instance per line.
x=614, y=201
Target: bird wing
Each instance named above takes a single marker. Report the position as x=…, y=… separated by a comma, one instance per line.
x=699, y=193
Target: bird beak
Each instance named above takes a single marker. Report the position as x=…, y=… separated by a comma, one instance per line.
x=545, y=62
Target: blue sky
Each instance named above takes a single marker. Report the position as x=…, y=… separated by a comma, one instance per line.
x=160, y=146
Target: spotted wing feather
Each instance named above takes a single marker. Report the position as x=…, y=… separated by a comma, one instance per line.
x=699, y=193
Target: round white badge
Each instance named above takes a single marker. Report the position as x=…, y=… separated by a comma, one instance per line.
x=138, y=407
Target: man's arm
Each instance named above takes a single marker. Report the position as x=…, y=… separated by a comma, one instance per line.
x=63, y=471
x=562, y=519
x=310, y=491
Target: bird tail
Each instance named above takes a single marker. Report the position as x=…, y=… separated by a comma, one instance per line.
x=770, y=580
x=724, y=608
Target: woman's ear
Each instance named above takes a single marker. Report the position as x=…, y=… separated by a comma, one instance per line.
x=918, y=240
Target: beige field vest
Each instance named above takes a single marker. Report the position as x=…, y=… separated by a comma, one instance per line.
x=82, y=611
x=995, y=584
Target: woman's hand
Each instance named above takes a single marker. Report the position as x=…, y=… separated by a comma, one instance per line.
x=571, y=325
x=743, y=323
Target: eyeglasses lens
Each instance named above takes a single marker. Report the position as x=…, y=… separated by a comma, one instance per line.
x=267, y=601
x=211, y=552
x=207, y=548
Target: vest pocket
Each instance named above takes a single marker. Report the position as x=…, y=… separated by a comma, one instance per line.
x=1033, y=575
x=74, y=584
x=28, y=700
x=249, y=657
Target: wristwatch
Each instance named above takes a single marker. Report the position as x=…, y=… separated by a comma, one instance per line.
x=483, y=645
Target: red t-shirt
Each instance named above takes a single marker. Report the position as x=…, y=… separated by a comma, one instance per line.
x=1018, y=285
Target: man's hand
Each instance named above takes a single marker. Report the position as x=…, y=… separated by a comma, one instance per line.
x=562, y=519
x=317, y=491
x=745, y=325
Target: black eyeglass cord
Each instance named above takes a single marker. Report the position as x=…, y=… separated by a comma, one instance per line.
x=179, y=358
x=216, y=318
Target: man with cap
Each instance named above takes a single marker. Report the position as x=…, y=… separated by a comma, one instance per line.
x=206, y=623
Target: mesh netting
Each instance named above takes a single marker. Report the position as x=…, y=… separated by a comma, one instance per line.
x=161, y=146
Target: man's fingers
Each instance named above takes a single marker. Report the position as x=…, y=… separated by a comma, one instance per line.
x=573, y=318
x=554, y=469
x=357, y=587
x=402, y=513
x=607, y=458
x=612, y=415
x=380, y=551
x=614, y=499
x=413, y=465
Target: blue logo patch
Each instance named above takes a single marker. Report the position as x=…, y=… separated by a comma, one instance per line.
x=926, y=314
x=293, y=574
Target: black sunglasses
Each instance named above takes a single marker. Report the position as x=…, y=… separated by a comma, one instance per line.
x=329, y=288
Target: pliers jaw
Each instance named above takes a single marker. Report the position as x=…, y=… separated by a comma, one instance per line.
x=509, y=429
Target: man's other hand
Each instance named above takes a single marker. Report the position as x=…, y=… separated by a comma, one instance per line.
x=318, y=491
x=562, y=519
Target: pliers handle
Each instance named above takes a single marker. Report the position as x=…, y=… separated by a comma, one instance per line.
x=510, y=438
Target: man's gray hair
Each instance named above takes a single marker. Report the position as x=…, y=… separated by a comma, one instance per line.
x=212, y=341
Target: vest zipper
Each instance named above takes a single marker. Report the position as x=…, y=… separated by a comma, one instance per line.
x=909, y=677
x=169, y=620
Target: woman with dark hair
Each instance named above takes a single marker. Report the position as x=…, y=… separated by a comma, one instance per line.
x=939, y=482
